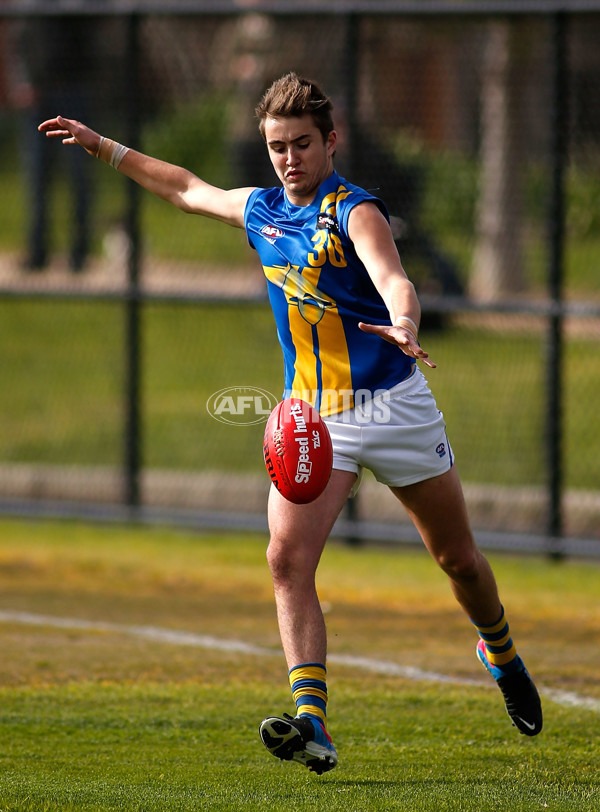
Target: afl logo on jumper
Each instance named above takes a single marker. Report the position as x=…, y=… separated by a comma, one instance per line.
x=441, y=450
x=271, y=233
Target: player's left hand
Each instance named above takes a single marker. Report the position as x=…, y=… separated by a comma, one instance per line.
x=71, y=132
x=403, y=339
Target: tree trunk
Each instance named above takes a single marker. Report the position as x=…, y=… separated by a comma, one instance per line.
x=498, y=261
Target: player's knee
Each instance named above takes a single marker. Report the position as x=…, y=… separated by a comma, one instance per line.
x=287, y=563
x=460, y=565
x=282, y=563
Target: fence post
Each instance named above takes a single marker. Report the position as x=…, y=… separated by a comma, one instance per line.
x=351, y=66
x=559, y=149
x=132, y=301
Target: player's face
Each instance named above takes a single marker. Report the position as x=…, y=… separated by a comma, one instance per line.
x=299, y=156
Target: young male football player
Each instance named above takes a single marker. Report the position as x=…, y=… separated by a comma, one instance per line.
x=348, y=321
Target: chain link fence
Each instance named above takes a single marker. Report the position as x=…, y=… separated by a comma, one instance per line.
x=122, y=319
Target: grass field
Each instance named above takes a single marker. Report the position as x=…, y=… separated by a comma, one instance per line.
x=65, y=363
x=102, y=713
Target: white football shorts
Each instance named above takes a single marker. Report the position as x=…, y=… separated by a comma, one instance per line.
x=399, y=435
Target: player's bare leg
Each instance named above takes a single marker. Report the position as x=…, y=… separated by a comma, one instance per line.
x=438, y=510
x=298, y=536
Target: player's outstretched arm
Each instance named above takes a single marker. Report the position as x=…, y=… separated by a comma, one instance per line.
x=369, y=231
x=172, y=183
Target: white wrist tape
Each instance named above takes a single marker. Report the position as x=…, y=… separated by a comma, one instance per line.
x=118, y=154
x=408, y=324
x=111, y=152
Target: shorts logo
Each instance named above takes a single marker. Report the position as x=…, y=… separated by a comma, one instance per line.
x=271, y=233
x=441, y=450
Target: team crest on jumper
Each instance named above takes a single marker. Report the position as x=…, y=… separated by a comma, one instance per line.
x=309, y=300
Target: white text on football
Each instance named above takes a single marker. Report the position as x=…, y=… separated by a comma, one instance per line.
x=304, y=467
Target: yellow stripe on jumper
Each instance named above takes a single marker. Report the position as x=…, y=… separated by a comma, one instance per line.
x=309, y=308
x=332, y=352
x=336, y=373
x=305, y=380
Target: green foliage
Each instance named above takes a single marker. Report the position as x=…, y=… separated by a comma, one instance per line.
x=194, y=136
x=9, y=136
x=583, y=205
x=450, y=186
x=582, y=201
x=451, y=182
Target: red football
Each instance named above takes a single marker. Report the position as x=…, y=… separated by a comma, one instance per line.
x=297, y=450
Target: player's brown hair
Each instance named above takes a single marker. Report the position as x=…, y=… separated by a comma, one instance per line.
x=291, y=95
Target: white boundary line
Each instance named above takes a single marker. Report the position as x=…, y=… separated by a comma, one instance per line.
x=181, y=638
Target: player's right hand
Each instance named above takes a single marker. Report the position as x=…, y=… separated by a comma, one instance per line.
x=402, y=337
x=71, y=132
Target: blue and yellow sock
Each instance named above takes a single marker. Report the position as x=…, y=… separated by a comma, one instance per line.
x=500, y=650
x=308, y=682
